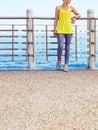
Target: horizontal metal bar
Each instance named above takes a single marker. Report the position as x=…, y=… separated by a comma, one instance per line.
x=44, y=18
x=10, y=30
x=13, y=42
x=13, y=49
x=8, y=42
x=8, y=48
x=11, y=55
x=12, y=36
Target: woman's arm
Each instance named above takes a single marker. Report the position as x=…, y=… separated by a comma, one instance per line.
x=56, y=19
x=76, y=14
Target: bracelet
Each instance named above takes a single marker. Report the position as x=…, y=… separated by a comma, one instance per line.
x=74, y=17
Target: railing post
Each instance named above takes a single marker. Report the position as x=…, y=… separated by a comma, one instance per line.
x=30, y=37
x=91, y=38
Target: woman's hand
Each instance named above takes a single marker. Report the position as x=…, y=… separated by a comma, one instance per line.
x=55, y=33
x=73, y=19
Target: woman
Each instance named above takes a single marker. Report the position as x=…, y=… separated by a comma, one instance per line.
x=63, y=29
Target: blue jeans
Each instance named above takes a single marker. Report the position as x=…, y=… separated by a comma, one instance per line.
x=61, y=38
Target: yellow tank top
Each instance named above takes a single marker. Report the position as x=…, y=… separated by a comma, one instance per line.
x=64, y=25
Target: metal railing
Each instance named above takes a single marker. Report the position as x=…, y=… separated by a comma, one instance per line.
x=16, y=36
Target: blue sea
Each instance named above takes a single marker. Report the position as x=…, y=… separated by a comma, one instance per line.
x=42, y=62
x=78, y=53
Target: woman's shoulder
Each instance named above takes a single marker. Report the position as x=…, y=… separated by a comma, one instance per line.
x=71, y=7
x=58, y=7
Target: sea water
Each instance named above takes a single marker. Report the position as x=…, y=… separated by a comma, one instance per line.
x=42, y=62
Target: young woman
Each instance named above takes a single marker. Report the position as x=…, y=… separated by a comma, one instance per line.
x=63, y=29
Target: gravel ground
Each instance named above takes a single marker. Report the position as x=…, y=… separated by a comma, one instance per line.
x=49, y=100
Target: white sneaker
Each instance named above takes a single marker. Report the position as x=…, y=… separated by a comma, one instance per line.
x=65, y=69
x=58, y=66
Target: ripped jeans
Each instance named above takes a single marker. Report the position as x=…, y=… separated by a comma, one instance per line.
x=61, y=38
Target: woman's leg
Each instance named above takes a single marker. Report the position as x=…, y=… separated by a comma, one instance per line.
x=60, y=39
x=68, y=38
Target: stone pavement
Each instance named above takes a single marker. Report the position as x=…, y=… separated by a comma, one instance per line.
x=49, y=100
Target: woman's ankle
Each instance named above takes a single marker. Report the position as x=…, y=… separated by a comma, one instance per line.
x=59, y=61
x=65, y=66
